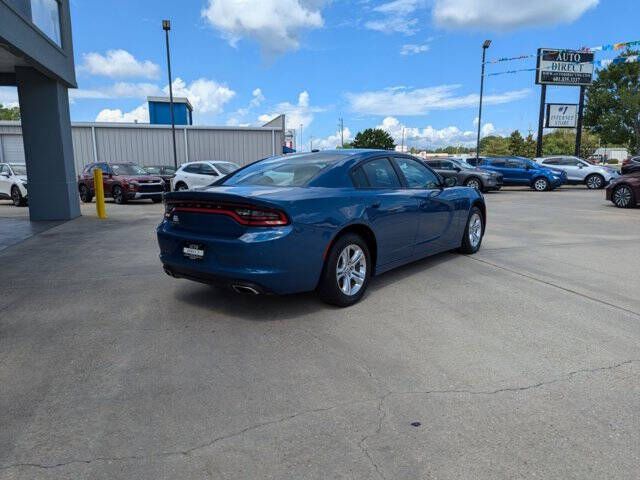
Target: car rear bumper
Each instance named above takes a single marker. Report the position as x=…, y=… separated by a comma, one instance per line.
x=279, y=260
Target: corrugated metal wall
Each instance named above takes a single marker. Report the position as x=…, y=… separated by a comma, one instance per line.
x=152, y=145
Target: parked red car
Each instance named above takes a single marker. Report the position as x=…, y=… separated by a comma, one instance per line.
x=624, y=191
x=122, y=182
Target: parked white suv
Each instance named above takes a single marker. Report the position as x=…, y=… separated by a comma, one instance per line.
x=200, y=174
x=13, y=183
x=581, y=171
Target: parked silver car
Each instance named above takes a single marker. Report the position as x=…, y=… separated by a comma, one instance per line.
x=580, y=171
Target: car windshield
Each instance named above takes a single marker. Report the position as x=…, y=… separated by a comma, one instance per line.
x=225, y=168
x=127, y=169
x=294, y=171
x=153, y=170
x=19, y=169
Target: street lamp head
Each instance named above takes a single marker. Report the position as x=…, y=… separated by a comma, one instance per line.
x=166, y=25
x=486, y=44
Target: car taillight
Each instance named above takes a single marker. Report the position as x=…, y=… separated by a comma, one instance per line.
x=249, y=215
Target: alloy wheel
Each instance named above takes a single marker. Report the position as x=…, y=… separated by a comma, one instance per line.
x=622, y=196
x=16, y=197
x=118, y=195
x=540, y=185
x=475, y=230
x=351, y=270
x=474, y=183
x=595, y=182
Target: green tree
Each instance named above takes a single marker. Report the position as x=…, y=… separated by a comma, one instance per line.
x=494, y=145
x=529, y=149
x=516, y=143
x=563, y=142
x=612, y=108
x=374, y=138
x=9, y=113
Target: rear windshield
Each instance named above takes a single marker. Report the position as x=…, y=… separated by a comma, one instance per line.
x=127, y=169
x=296, y=171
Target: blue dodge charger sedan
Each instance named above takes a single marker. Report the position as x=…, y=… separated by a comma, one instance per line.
x=325, y=221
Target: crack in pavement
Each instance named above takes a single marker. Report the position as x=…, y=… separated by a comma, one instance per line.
x=362, y=443
x=555, y=285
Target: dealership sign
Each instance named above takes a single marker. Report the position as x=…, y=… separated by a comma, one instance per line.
x=564, y=67
x=562, y=115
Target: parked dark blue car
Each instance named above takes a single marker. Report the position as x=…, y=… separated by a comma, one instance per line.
x=522, y=171
x=326, y=221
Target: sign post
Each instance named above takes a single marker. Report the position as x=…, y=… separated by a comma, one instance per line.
x=563, y=68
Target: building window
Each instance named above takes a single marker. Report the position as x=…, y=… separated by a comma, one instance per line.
x=45, y=14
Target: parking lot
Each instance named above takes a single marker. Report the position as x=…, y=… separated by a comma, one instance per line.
x=522, y=361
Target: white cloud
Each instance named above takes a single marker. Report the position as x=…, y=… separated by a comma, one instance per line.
x=507, y=14
x=257, y=99
x=419, y=101
x=332, y=141
x=8, y=97
x=119, y=64
x=296, y=114
x=413, y=49
x=275, y=24
x=206, y=96
x=430, y=137
x=137, y=115
x=396, y=17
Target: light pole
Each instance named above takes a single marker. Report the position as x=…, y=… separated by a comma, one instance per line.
x=166, y=26
x=485, y=45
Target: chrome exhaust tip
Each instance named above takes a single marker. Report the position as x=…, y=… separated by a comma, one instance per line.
x=245, y=290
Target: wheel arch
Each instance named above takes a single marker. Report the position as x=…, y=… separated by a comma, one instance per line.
x=363, y=231
x=483, y=209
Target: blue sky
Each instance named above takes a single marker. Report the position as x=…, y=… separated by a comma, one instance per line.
x=411, y=63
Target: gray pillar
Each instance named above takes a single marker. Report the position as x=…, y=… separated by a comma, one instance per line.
x=48, y=148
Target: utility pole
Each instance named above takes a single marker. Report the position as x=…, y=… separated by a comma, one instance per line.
x=485, y=45
x=341, y=124
x=402, y=144
x=311, y=143
x=166, y=26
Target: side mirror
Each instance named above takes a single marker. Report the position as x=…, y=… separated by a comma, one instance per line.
x=5, y=175
x=450, y=182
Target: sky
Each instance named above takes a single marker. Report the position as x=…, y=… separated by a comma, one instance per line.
x=400, y=64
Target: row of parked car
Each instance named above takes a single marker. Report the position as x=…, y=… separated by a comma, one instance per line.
x=128, y=181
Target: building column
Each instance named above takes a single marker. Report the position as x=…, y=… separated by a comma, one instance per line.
x=48, y=148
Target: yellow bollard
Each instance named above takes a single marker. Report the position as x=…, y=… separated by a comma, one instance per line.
x=99, y=188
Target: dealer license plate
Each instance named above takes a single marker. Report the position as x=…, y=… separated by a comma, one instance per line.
x=194, y=252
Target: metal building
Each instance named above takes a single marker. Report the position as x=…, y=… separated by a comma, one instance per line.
x=152, y=144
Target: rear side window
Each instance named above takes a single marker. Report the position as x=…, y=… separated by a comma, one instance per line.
x=381, y=174
x=359, y=178
x=194, y=168
x=497, y=163
x=416, y=174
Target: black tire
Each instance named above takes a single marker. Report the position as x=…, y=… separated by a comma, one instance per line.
x=85, y=194
x=470, y=246
x=474, y=182
x=181, y=186
x=329, y=288
x=540, y=184
x=623, y=197
x=156, y=199
x=595, y=181
x=118, y=195
x=17, y=198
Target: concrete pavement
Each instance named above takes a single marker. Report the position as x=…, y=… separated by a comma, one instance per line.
x=520, y=362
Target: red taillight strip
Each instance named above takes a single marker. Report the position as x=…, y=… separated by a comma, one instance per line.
x=255, y=222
